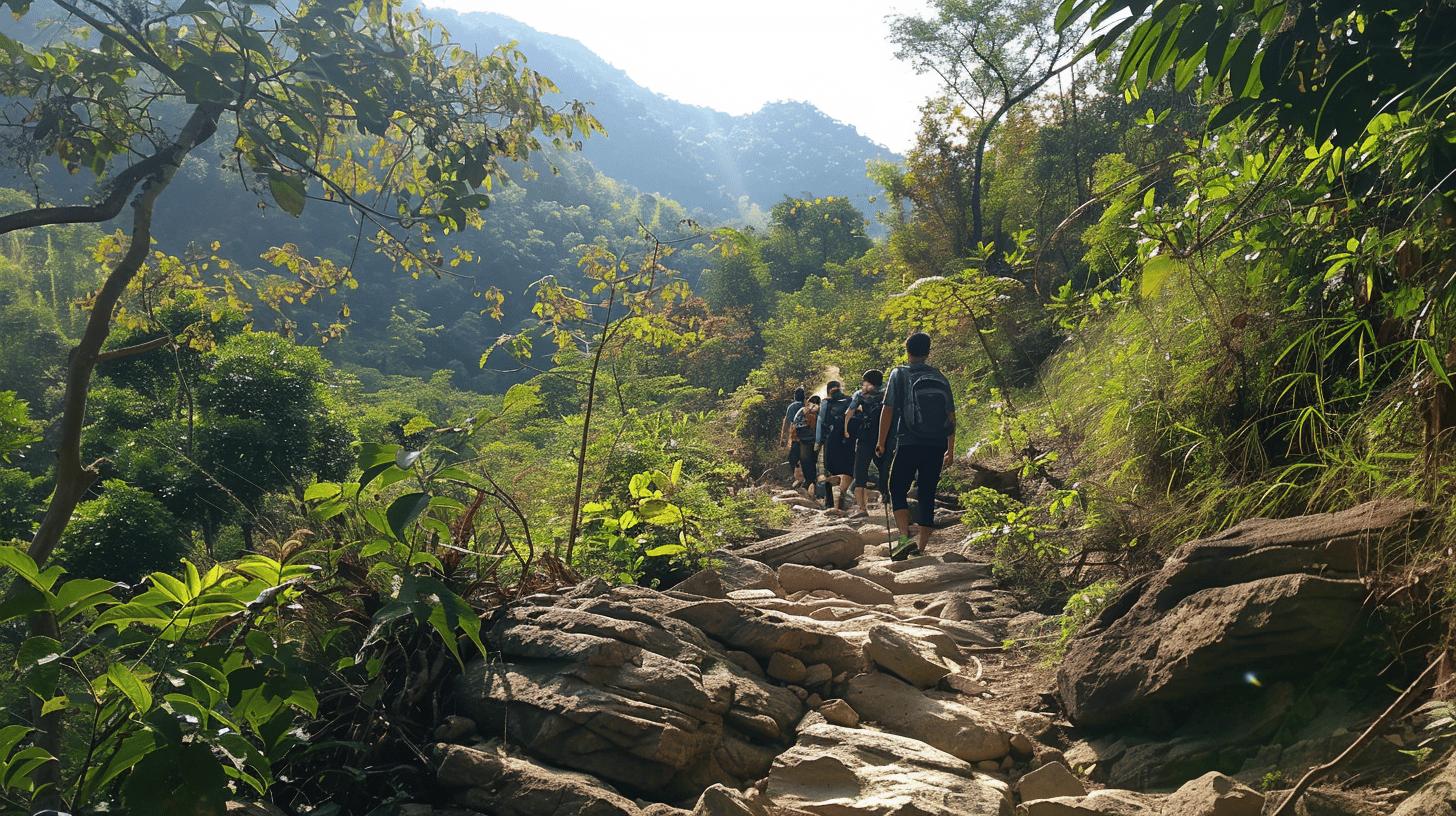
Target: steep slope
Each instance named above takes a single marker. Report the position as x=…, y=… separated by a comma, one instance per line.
x=705, y=159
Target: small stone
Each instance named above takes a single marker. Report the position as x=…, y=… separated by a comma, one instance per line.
x=1046, y=755
x=988, y=765
x=810, y=720
x=964, y=684
x=786, y=667
x=818, y=675
x=838, y=712
x=752, y=595
x=813, y=700
x=455, y=729
x=1032, y=723
x=954, y=557
x=1048, y=782
x=1007, y=763
x=799, y=691
x=746, y=661
x=1022, y=746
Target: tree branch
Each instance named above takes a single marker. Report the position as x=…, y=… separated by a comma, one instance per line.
x=133, y=350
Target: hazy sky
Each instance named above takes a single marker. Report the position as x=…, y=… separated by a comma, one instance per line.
x=739, y=54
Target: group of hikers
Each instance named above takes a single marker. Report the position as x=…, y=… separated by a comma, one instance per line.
x=903, y=426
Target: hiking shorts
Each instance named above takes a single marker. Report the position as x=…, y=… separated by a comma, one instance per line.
x=920, y=464
x=839, y=457
x=864, y=456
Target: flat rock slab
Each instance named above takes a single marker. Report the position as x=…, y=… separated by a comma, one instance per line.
x=800, y=577
x=642, y=700
x=952, y=727
x=837, y=771
x=497, y=783
x=835, y=546
x=1110, y=802
x=923, y=576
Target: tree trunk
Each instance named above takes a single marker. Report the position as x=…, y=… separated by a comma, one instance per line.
x=73, y=478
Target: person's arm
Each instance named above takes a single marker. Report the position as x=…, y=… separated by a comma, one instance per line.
x=819, y=428
x=849, y=415
x=950, y=440
x=887, y=418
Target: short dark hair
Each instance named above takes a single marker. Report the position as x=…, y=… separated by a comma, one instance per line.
x=874, y=377
x=918, y=345
x=799, y=394
x=833, y=385
x=814, y=400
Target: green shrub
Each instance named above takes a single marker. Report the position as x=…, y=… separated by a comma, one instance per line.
x=20, y=498
x=1084, y=605
x=122, y=536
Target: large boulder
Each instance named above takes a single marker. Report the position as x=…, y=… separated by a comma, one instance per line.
x=836, y=547
x=641, y=700
x=801, y=577
x=918, y=655
x=1435, y=798
x=497, y=783
x=1251, y=602
x=838, y=771
x=952, y=727
x=730, y=573
x=1214, y=794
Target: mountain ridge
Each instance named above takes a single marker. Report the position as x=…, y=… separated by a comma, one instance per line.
x=727, y=166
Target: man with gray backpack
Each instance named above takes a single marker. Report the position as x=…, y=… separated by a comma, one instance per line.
x=920, y=411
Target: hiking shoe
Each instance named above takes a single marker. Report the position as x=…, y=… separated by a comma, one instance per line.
x=904, y=549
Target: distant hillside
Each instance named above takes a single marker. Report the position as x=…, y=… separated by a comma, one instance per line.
x=705, y=159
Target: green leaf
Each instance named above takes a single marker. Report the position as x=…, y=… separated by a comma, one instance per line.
x=320, y=490
x=520, y=398
x=404, y=510
x=666, y=549
x=288, y=192
x=185, y=780
x=417, y=424
x=1155, y=274
x=130, y=685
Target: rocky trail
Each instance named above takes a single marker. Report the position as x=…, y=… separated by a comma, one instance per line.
x=808, y=674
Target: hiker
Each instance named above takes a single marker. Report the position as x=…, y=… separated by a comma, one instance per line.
x=862, y=427
x=920, y=412
x=786, y=439
x=806, y=425
x=838, y=449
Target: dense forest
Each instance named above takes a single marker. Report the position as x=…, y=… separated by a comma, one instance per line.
x=327, y=337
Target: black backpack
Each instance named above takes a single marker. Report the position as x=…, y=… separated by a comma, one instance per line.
x=866, y=422
x=832, y=411
x=927, y=399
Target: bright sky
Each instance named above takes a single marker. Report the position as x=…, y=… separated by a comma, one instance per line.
x=735, y=56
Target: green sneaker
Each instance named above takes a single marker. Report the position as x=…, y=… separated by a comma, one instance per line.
x=904, y=549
